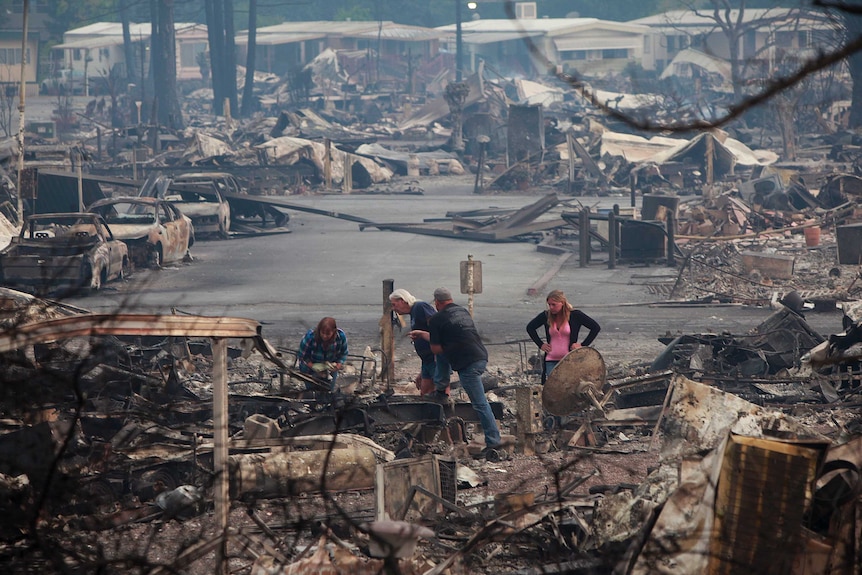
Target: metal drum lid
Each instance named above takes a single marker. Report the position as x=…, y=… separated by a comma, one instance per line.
x=567, y=388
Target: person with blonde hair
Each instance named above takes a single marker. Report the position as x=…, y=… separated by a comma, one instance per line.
x=562, y=327
x=435, y=370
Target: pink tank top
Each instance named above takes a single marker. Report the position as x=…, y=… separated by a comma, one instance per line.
x=559, y=342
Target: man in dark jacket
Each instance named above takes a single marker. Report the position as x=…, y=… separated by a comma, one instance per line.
x=451, y=331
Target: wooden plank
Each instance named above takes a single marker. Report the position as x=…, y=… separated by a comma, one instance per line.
x=528, y=229
x=220, y=436
x=771, y=265
x=591, y=166
x=528, y=213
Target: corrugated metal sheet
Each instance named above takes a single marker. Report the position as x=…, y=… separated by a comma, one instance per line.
x=89, y=324
x=494, y=37
x=542, y=25
x=291, y=32
x=276, y=39
x=90, y=43
x=100, y=28
x=593, y=43
x=58, y=192
x=400, y=32
x=110, y=33
x=341, y=28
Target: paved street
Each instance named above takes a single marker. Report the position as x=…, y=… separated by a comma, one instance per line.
x=327, y=266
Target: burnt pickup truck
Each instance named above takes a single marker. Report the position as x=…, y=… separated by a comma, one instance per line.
x=63, y=251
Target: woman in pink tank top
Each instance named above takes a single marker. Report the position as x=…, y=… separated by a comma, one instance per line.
x=562, y=326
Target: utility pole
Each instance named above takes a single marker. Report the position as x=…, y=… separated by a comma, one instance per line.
x=21, y=94
x=458, y=41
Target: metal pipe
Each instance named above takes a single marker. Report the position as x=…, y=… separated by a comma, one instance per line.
x=612, y=240
x=470, y=284
x=584, y=237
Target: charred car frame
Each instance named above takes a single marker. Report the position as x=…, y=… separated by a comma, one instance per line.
x=64, y=250
x=154, y=230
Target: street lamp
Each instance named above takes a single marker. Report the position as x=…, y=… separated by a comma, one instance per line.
x=459, y=46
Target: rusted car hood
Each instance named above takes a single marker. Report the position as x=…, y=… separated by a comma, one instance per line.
x=130, y=231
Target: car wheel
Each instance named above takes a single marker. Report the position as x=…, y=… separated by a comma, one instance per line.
x=95, y=282
x=126, y=270
x=156, y=257
x=223, y=230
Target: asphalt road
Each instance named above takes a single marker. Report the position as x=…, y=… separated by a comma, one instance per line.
x=327, y=266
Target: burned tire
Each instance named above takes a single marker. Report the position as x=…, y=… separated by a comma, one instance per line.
x=126, y=270
x=223, y=227
x=155, y=257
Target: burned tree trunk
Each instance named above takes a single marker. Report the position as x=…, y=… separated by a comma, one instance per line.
x=166, y=100
x=215, y=34
x=230, y=57
x=128, y=50
x=248, y=103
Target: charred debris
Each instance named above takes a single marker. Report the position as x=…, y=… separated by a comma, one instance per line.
x=139, y=423
x=133, y=425
x=718, y=205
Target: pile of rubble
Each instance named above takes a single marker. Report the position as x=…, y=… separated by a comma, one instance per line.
x=727, y=452
x=122, y=436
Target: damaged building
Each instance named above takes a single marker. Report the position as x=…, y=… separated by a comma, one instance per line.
x=188, y=443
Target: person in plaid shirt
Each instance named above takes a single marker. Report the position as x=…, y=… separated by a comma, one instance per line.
x=323, y=351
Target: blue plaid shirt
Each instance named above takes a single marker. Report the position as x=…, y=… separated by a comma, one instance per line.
x=310, y=350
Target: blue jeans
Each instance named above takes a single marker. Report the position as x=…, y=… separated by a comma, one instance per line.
x=442, y=372
x=429, y=368
x=549, y=366
x=471, y=381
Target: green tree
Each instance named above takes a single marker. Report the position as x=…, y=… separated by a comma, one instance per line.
x=66, y=15
x=357, y=13
x=619, y=10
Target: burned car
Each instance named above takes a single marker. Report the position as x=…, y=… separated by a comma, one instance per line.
x=241, y=210
x=64, y=251
x=202, y=201
x=155, y=230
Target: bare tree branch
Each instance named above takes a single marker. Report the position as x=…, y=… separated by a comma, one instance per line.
x=771, y=87
x=840, y=6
